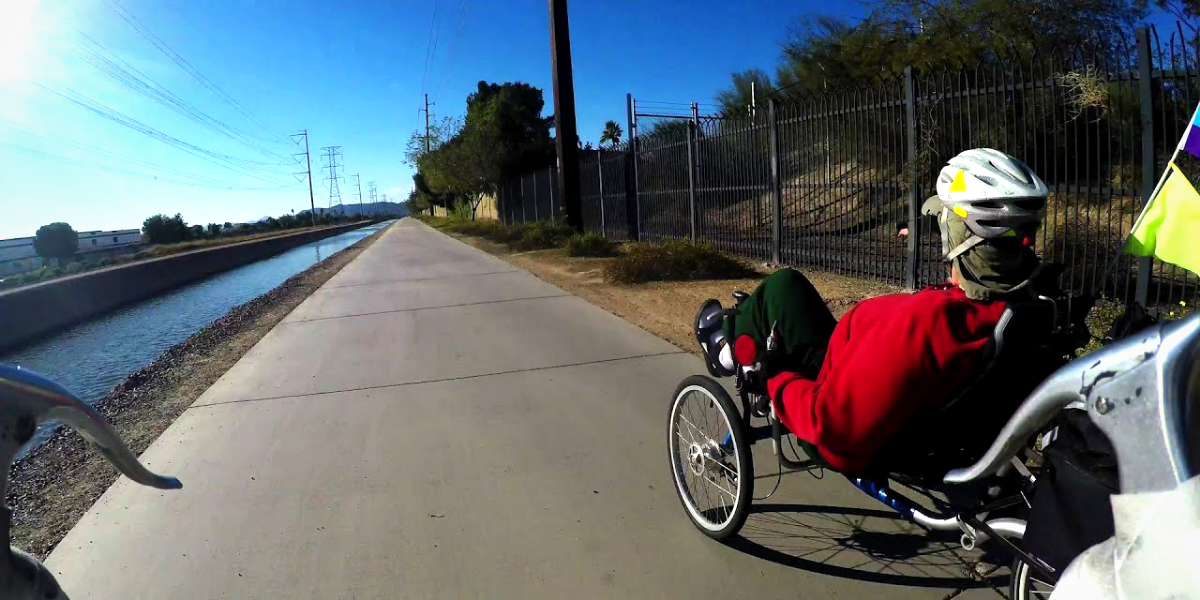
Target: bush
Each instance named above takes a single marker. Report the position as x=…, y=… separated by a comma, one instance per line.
x=484, y=229
x=679, y=260
x=106, y=261
x=589, y=244
x=143, y=254
x=541, y=235
x=30, y=277
x=461, y=211
x=73, y=268
x=48, y=272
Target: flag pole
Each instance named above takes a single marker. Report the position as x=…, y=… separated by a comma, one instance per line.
x=1157, y=187
x=1166, y=171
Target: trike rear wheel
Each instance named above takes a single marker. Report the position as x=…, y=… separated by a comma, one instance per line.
x=710, y=457
x=1027, y=584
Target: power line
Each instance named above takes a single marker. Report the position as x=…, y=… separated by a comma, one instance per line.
x=187, y=67
x=243, y=166
x=106, y=153
x=18, y=149
x=429, y=45
x=95, y=54
x=454, y=43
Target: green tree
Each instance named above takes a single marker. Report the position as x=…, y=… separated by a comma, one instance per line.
x=56, y=241
x=612, y=133
x=214, y=229
x=502, y=136
x=747, y=87
x=196, y=232
x=161, y=229
x=825, y=53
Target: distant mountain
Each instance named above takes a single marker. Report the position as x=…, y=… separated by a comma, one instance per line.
x=368, y=209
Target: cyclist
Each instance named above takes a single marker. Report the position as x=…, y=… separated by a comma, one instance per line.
x=847, y=387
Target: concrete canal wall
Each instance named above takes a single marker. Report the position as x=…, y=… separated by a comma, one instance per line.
x=28, y=313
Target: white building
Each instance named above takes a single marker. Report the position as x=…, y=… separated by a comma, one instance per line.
x=17, y=254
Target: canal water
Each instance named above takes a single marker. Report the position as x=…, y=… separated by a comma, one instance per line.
x=92, y=357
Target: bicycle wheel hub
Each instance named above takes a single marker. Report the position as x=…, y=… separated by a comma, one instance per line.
x=706, y=456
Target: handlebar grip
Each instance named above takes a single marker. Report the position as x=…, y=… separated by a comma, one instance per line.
x=25, y=394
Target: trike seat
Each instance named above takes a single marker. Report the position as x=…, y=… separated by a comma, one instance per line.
x=1037, y=334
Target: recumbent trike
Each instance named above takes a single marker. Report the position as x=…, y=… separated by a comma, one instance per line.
x=709, y=436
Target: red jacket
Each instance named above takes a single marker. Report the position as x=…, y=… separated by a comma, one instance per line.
x=889, y=358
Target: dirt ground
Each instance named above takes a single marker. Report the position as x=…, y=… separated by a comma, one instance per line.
x=57, y=482
x=665, y=309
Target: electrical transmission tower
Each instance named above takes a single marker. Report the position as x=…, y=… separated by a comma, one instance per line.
x=371, y=195
x=358, y=185
x=332, y=157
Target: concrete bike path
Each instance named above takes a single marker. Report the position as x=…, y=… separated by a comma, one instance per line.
x=435, y=423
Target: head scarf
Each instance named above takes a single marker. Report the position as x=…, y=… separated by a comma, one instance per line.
x=991, y=269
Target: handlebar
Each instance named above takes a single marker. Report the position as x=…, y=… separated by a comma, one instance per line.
x=1136, y=391
x=27, y=399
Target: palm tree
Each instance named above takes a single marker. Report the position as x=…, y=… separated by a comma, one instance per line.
x=612, y=133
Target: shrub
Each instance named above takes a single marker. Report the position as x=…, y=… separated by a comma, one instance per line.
x=143, y=254
x=30, y=277
x=541, y=235
x=679, y=260
x=106, y=261
x=589, y=244
x=483, y=229
x=73, y=268
x=48, y=272
x=461, y=211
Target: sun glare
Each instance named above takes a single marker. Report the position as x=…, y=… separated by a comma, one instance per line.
x=18, y=36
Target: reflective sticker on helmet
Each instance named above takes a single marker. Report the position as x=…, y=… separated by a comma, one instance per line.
x=960, y=183
x=960, y=211
x=1009, y=233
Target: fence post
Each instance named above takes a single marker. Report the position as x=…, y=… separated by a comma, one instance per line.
x=1146, y=88
x=776, y=187
x=631, y=199
x=523, y=200
x=912, y=264
x=691, y=161
x=536, y=196
x=600, y=175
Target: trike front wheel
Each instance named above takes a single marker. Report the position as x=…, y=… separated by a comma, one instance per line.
x=710, y=457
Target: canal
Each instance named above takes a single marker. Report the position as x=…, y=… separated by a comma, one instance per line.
x=93, y=357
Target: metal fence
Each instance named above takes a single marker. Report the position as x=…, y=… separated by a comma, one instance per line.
x=532, y=197
x=825, y=180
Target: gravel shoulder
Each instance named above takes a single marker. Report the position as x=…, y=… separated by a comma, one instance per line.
x=53, y=486
x=665, y=308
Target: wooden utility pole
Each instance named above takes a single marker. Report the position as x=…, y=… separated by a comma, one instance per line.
x=566, y=139
x=427, y=123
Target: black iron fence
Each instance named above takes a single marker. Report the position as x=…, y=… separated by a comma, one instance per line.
x=826, y=180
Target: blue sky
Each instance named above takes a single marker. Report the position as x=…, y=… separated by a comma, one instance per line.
x=352, y=73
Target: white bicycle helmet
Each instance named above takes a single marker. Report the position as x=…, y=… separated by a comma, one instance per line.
x=994, y=193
